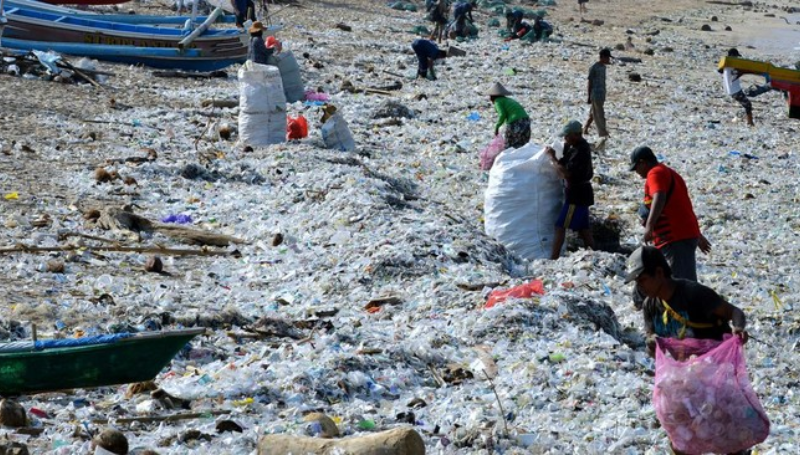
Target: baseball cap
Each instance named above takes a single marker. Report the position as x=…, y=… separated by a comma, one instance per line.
x=573, y=126
x=642, y=153
x=644, y=258
x=606, y=52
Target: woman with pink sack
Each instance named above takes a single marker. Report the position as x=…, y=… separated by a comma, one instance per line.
x=511, y=114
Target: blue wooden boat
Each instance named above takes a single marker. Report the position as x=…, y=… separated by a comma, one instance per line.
x=216, y=49
x=139, y=19
x=154, y=57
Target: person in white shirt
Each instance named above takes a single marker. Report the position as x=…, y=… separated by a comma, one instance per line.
x=730, y=77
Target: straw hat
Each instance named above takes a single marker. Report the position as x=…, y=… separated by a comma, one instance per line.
x=498, y=90
x=256, y=27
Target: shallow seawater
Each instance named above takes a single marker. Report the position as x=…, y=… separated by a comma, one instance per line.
x=780, y=40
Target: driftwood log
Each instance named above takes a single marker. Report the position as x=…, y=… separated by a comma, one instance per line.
x=123, y=219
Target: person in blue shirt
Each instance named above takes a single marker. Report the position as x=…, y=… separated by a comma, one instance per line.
x=258, y=52
x=427, y=52
x=541, y=29
x=244, y=10
x=513, y=20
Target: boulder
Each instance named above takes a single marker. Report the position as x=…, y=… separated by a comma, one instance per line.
x=320, y=425
x=400, y=441
x=12, y=414
x=112, y=441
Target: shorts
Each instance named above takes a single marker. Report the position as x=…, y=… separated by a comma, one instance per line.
x=742, y=99
x=574, y=217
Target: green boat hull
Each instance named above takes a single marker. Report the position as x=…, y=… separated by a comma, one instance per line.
x=136, y=359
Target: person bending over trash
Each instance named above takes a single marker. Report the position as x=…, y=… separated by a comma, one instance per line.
x=427, y=53
x=513, y=20
x=541, y=29
x=667, y=214
x=575, y=167
x=678, y=308
x=258, y=51
x=521, y=29
x=512, y=114
x=462, y=12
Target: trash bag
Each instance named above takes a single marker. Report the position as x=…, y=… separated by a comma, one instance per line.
x=489, y=154
x=522, y=201
x=262, y=105
x=336, y=134
x=703, y=397
x=296, y=127
x=522, y=291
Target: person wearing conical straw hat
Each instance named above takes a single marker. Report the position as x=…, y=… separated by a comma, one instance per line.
x=258, y=52
x=512, y=114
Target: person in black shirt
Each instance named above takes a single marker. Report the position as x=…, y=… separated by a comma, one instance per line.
x=575, y=167
x=678, y=308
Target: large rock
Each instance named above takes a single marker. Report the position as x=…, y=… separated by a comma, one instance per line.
x=320, y=425
x=12, y=414
x=400, y=441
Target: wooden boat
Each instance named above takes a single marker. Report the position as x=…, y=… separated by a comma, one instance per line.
x=86, y=2
x=141, y=19
x=33, y=25
x=784, y=79
x=49, y=365
x=154, y=57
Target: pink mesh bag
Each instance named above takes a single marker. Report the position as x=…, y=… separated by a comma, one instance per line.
x=489, y=154
x=703, y=397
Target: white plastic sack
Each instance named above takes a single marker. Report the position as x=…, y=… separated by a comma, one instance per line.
x=290, y=74
x=336, y=134
x=262, y=105
x=523, y=200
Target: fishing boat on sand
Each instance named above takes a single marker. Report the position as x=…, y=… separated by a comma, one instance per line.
x=141, y=19
x=198, y=49
x=50, y=365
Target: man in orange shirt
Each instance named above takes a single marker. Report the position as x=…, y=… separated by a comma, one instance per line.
x=667, y=215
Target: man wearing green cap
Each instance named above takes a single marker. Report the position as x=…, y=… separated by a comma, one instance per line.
x=575, y=167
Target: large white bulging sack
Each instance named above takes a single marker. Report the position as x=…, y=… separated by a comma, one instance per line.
x=290, y=74
x=523, y=200
x=262, y=105
x=336, y=134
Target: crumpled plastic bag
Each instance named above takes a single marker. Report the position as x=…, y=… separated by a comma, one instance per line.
x=703, y=397
x=522, y=291
x=489, y=154
x=296, y=127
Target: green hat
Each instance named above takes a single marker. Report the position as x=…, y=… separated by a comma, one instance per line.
x=572, y=127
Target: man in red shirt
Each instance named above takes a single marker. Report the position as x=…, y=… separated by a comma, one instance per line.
x=667, y=215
